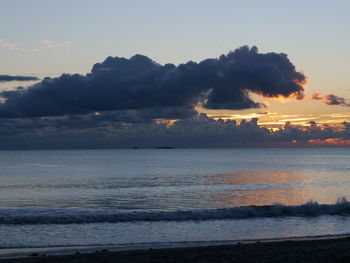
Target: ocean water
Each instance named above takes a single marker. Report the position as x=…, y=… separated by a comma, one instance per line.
x=104, y=197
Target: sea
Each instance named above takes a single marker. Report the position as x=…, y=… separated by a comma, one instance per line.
x=60, y=198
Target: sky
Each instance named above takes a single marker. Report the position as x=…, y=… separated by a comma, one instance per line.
x=40, y=39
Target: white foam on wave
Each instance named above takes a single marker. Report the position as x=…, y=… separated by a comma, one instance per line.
x=80, y=216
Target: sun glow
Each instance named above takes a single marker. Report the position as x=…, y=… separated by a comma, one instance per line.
x=274, y=120
x=168, y=123
x=330, y=142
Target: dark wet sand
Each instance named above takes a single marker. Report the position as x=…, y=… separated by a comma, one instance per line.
x=331, y=250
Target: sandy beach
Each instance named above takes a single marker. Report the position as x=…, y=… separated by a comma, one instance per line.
x=293, y=250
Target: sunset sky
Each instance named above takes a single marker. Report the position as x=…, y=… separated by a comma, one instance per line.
x=42, y=38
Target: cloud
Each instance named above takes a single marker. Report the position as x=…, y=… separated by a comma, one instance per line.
x=10, y=46
x=46, y=41
x=6, y=78
x=50, y=44
x=330, y=99
x=330, y=142
x=140, y=83
x=316, y=96
x=139, y=128
x=44, y=44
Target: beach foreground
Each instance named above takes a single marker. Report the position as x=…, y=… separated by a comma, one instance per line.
x=320, y=250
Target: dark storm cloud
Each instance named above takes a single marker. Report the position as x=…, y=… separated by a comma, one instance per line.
x=140, y=83
x=330, y=99
x=105, y=120
x=6, y=78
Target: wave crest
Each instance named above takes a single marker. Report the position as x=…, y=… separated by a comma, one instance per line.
x=73, y=216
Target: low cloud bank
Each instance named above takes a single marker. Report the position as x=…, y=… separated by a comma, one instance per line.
x=7, y=78
x=132, y=128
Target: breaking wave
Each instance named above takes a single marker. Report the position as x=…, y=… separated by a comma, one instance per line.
x=74, y=216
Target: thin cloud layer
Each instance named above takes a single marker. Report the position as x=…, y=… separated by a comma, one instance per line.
x=6, y=78
x=140, y=83
x=44, y=45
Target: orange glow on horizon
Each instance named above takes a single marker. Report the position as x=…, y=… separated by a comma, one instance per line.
x=166, y=122
x=275, y=120
x=330, y=142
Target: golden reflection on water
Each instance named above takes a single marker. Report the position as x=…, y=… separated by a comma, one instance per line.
x=279, y=188
x=260, y=178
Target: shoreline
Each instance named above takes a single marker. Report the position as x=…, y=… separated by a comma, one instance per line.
x=19, y=254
